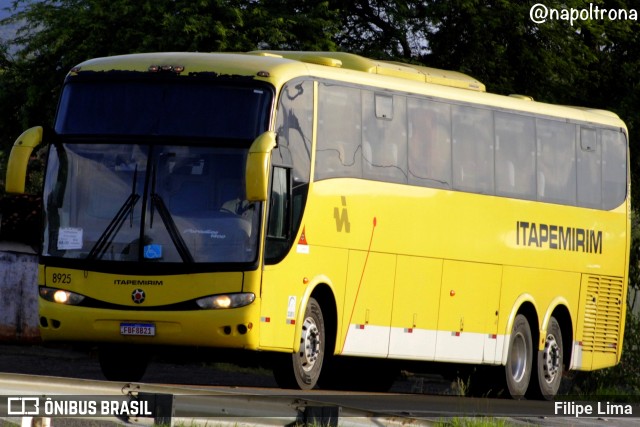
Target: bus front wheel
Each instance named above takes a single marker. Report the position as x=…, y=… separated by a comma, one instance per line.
x=302, y=369
x=518, y=368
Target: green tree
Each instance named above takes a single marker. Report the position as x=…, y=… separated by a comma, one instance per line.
x=383, y=29
x=498, y=43
x=55, y=35
x=291, y=25
x=592, y=63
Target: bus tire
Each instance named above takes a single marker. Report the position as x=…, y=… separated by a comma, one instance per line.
x=545, y=382
x=123, y=363
x=301, y=369
x=519, y=359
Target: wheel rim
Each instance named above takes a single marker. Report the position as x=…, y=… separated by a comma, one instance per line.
x=310, y=348
x=551, y=359
x=518, y=364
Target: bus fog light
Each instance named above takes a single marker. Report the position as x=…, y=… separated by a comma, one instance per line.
x=226, y=301
x=60, y=296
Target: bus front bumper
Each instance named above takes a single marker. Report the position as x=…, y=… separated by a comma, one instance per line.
x=224, y=328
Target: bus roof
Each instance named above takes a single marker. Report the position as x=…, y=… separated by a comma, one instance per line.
x=278, y=67
x=386, y=68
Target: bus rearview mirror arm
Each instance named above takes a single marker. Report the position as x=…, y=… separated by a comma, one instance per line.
x=19, y=159
x=257, y=168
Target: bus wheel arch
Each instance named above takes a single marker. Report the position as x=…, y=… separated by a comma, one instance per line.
x=314, y=342
x=563, y=317
x=323, y=294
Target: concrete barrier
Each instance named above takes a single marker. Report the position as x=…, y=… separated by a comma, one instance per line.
x=18, y=293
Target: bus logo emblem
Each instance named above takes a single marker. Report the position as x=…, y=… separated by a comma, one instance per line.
x=342, y=217
x=138, y=296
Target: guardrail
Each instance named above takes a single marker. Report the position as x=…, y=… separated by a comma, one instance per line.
x=29, y=399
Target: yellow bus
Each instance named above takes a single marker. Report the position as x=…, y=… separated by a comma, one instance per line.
x=334, y=212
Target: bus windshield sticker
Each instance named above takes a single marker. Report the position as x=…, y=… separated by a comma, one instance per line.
x=153, y=251
x=214, y=234
x=69, y=238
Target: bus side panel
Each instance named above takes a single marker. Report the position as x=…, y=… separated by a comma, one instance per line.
x=541, y=287
x=416, y=305
x=468, y=323
x=368, y=302
x=284, y=287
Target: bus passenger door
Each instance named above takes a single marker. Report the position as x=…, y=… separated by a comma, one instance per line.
x=468, y=321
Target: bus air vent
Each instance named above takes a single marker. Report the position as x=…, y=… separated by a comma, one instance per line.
x=603, y=314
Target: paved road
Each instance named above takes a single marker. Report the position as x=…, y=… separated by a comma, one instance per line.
x=196, y=377
x=66, y=362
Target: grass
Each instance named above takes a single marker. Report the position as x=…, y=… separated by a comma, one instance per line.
x=474, y=422
x=230, y=367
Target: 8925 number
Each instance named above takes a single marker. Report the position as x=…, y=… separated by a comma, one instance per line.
x=61, y=278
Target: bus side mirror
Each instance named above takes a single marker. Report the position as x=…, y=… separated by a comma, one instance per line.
x=257, y=170
x=19, y=159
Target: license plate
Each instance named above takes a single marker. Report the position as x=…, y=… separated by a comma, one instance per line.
x=139, y=329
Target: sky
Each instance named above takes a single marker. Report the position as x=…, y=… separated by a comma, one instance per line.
x=6, y=32
x=4, y=4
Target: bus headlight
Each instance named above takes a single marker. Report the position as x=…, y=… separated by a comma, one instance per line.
x=60, y=296
x=225, y=301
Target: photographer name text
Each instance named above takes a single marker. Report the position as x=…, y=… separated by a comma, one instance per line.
x=598, y=409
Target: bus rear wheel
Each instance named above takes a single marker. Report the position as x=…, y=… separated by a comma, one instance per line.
x=546, y=383
x=518, y=368
x=302, y=369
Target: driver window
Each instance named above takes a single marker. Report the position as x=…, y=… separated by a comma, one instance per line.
x=278, y=226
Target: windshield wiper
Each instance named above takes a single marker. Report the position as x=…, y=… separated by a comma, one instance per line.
x=176, y=238
x=158, y=203
x=107, y=236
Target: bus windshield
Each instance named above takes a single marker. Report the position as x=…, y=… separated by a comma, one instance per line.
x=148, y=203
x=150, y=168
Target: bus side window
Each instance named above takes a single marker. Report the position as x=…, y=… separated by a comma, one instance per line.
x=614, y=168
x=429, y=137
x=515, y=156
x=556, y=161
x=589, y=170
x=473, y=149
x=339, y=151
x=294, y=126
x=384, y=137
